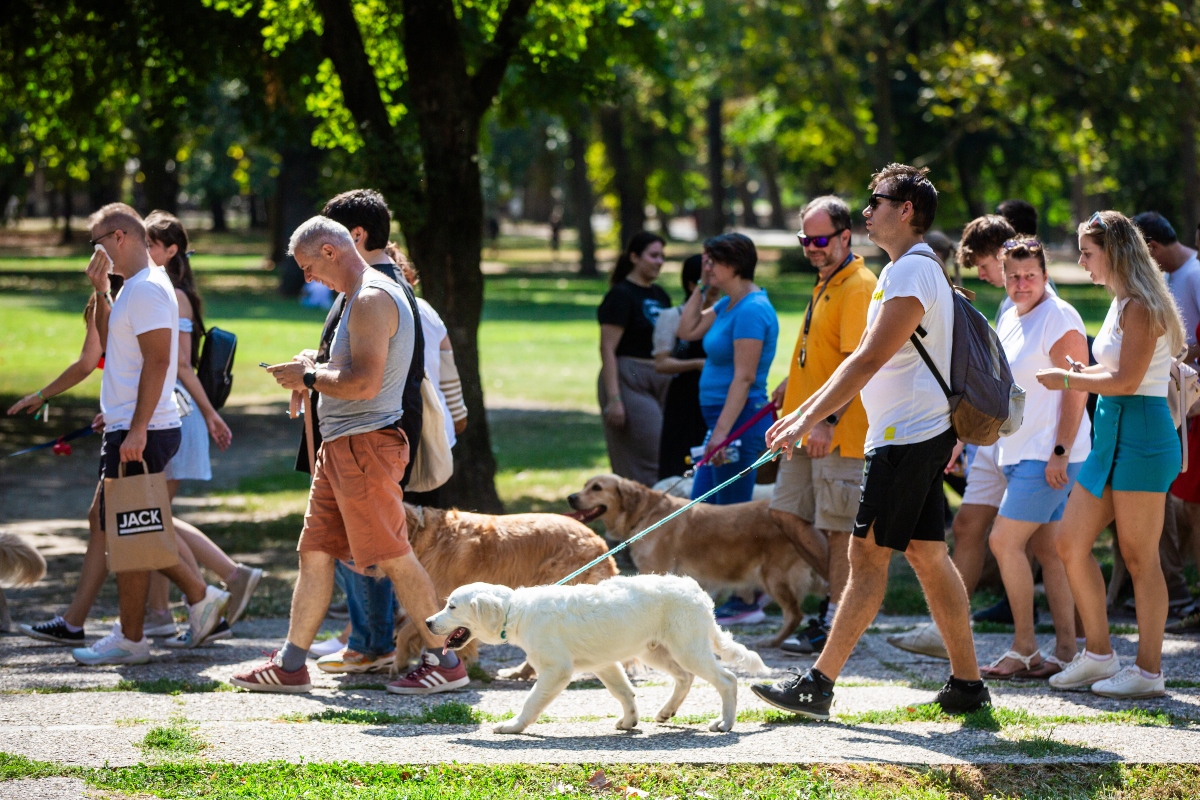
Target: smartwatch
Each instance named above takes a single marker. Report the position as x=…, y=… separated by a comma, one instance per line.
x=310, y=378
x=1059, y=450
x=832, y=419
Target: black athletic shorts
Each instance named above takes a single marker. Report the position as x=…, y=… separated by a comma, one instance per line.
x=902, y=492
x=161, y=446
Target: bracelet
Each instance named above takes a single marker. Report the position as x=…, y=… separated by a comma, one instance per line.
x=1066, y=380
x=39, y=394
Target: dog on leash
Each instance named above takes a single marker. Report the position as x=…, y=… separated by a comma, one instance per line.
x=737, y=546
x=666, y=621
x=457, y=548
x=20, y=565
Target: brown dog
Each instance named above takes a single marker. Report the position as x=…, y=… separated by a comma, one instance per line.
x=20, y=565
x=736, y=546
x=514, y=550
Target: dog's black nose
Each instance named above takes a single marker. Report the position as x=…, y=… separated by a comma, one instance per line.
x=429, y=622
x=573, y=501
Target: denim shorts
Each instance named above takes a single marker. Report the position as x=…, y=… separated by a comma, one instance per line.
x=1029, y=498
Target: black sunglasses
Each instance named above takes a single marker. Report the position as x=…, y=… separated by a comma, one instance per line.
x=817, y=241
x=99, y=239
x=873, y=203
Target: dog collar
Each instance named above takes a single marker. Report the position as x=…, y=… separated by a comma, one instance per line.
x=503, y=628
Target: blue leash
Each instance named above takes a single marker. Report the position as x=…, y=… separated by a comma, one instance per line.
x=79, y=434
x=766, y=458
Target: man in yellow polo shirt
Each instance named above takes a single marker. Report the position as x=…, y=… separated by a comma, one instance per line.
x=817, y=491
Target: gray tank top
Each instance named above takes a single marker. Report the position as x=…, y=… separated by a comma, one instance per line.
x=340, y=418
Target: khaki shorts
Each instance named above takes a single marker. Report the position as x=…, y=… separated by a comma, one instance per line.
x=356, y=506
x=823, y=491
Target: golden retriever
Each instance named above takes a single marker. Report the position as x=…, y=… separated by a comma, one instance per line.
x=665, y=621
x=737, y=546
x=20, y=565
x=458, y=547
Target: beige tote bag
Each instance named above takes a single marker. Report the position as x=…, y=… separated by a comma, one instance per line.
x=139, y=531
x=434, y=463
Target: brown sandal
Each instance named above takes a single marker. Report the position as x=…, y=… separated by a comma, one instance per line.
x=993, y=671
x=1039, y=672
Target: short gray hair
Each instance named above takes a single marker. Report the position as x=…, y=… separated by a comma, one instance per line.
x=317, y=231
x=834, y=206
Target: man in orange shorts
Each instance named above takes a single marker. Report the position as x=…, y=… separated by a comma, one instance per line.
x=355, y=506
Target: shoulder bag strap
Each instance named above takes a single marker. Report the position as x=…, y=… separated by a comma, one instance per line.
x=929, y=361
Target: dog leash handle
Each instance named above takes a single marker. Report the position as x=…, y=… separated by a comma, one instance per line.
x=766, y=458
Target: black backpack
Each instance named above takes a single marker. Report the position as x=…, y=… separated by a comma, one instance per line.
x=216, y=365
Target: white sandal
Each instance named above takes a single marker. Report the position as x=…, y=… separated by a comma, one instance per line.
x=990, y=670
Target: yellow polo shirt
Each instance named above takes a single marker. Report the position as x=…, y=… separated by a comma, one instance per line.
x=838, y=322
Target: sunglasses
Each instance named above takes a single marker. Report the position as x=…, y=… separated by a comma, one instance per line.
x=817, y=241
x=873, y=203
x=99, y=239
x=1028, y=244
x=1098, y=221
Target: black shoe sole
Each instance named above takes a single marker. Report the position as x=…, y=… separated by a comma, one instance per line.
x=41, y=637
x=815, y=715
x=963, y=710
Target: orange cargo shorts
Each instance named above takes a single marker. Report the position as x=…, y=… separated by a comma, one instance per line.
x=356, y=506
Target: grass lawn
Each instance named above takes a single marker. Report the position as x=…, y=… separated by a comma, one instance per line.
x=189, y=777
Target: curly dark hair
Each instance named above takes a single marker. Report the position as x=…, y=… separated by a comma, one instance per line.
x=910, y=184
x=362, y=208
x=983, y=236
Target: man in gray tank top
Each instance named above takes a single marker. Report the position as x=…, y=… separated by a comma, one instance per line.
x=355, y=506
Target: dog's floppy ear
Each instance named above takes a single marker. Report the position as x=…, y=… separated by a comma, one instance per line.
x=489, y=610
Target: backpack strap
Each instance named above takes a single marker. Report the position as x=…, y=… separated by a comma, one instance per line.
x=929, y=361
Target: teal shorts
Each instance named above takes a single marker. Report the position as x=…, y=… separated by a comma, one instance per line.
x=1135, y=446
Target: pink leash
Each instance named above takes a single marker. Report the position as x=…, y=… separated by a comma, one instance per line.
x=769, y=408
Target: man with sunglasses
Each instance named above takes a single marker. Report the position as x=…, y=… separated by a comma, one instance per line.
x=816, y=492
x=908, y=443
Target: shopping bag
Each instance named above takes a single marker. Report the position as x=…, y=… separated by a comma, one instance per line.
x=139, y=531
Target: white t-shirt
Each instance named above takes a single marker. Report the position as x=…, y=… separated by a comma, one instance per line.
x=145, y=303
x=434, y=330
x=1027, y=341
x=1184, y=284
x=665, y=328
x=1106, y=349
x=903, y=400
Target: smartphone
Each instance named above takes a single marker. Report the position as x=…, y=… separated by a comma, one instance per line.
x=263, y=364
x=1075, y=365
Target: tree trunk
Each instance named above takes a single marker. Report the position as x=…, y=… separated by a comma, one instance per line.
x=216, y=207
x=631, y=188
x=157, y=145
x=582, y=201
x=295, y=201
x=768, y=162
x=745, y=196
x=1189, y=171
x=68, y=208
x=881, y=75
x=715, y=223
x=967, y=167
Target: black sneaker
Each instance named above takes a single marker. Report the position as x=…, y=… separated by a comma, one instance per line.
x=956, y=697
x=800, y=694
x=1000, y=613
x=54, y=630
x=808, y=641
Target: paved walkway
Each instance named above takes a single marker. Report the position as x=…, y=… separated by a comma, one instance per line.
x=97, y=727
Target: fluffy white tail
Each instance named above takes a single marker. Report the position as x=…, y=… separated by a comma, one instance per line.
x=20, y=564
x=736, y=655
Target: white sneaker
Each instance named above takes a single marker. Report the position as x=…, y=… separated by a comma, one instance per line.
x=925, y=640
x=1082, y=672
x=158, y=626
x=114, y=649
x=206, y=615
x=325, y=648
x=1131, y=684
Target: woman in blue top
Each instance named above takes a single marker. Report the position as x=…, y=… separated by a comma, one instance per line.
x=739, y=334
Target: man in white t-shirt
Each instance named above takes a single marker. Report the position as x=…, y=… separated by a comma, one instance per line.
x=1182, y=270
x=909, y=441
x=140, y=330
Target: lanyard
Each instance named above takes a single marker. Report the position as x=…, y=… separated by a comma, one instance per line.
x=809, y=311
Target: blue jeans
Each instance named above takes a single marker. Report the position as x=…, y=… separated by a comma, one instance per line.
x=754, y=444
x=372, y=607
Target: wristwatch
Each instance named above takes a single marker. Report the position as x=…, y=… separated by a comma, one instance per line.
x=832, y=419
x=1059, y=450
x=310, y=378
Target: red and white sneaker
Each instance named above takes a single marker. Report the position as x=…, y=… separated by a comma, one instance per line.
x=431, y=677
x=270, y=677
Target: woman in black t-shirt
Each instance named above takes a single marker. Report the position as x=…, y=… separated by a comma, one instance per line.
x=631, y=391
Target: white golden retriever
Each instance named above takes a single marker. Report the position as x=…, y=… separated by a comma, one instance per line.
x=664, y=620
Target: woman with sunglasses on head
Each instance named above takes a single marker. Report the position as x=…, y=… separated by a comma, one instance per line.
x=631, y=391
x=1039, y=461
x=1135, y=456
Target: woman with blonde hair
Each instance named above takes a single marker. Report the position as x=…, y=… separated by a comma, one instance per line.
x=1135, y=456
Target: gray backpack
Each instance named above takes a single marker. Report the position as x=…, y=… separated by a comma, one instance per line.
x=985, y=403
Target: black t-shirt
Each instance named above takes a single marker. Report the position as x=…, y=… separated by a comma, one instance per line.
x=635, y=308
